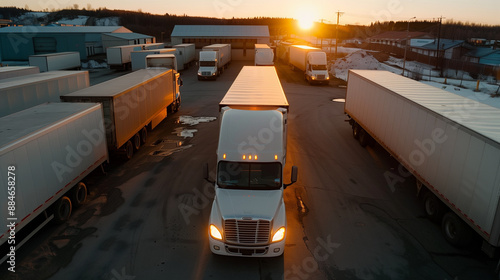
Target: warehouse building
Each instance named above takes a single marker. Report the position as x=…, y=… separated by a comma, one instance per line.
x=120, y=39
x=19, y=42
x=241, y=37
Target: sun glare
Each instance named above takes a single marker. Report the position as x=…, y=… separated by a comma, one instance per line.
x=306, y=22
x=306, y=17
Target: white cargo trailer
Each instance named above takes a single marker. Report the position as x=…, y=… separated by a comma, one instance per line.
x=56, y=61
x=264, y=55
x=186, y=55
x=312, y=61
x=17, y=71
x=133, y=103
x=20, y=93
x=45, y=152
x=248, y=216
x=120, y=56
x=451, y=144
x=138, y=58
x=165, y=61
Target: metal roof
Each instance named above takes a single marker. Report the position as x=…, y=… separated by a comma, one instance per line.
x=471, y=114
x=129, y=36
x=256, y=86
x=444, y=44
x=399, y=35
x=64, y=29
x=220, y=31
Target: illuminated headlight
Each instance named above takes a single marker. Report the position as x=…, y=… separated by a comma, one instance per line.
x=213, y=74
x=279, y=235
x=314, y=78
x=328, y=77
x=215, y=233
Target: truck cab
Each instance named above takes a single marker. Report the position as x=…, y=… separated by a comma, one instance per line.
x=316, y=69
x=208, y=65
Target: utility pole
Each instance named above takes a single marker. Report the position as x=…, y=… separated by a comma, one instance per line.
x=339, y=13
x=406, y=43
x=438, y=53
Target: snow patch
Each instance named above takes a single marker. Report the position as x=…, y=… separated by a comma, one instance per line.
x=92, y=64
x=80, y=20
x=359, y=59
x=194, y=120
x=108, y=21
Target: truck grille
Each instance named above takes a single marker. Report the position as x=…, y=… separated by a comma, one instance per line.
x=321, y=77
x=206, y=74
x=247, y=231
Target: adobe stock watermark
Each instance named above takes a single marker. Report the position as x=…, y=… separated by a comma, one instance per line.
x=309, y=265
x=75, y=154
x=266, y=135
x=122, y=275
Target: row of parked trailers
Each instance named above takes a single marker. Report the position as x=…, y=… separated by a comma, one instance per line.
x=51, y=147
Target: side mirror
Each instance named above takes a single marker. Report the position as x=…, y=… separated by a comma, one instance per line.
x=206, y=174
x=293, y=179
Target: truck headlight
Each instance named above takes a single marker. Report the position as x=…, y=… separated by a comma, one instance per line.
x=279, y=235
x=313, y=77
x=213, y=74
x=215, y=233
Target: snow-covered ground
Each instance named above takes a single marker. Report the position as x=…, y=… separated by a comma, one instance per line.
x=460, y=83
x=92, y=64
x=80, y=20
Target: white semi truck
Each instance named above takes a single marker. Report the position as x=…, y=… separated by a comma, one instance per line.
x=312, y=61
x=212, y=61
x=449, y=143
x=264, y=55
x=132, y=104
x=138, y=58
x=248, y=212
x=46, y=151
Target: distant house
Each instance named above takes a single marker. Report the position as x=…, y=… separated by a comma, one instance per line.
x=19, y=42
x=487, y=56
x=397, y=38
x=241, y=37
x=451, y=49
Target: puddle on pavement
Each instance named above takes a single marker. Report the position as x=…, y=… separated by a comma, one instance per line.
x=184, y=132
x=169, y=147
x=194, y=120
x=339, y=100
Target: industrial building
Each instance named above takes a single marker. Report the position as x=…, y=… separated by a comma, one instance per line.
x=241, y=37
x=17, y=43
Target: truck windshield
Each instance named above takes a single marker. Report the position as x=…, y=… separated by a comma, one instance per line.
x=207, y=63
x=249, y=176
x=318, y=67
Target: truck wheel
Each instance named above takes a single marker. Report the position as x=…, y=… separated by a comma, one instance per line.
x=79, y=194
x=177, y=105
x=433, y=207
x=62, y=210
x=137, y=141
x=455, y=231
x=129, y=150
x=355, y=131
x=364, y=137
x=144, y=135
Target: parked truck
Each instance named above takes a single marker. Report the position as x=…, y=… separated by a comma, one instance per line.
x=46, y=151
x=138, y=58
x=264, y=55
x=17, y=71
x=186, y=55
x=213, y=59
x=22, y=92
x=248, y=213
x=120, y=56
x=132, y=104
x=56, y=61
x=312, y=61
x=449, y=143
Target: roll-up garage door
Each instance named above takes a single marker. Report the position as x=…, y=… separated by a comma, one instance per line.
x=44, y=45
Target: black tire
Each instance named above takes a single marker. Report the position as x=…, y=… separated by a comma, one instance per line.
x=137, y=141
x=433, y=207
x=144, y=135
x=456, y=231
x=364, y=137
x=355, y=131
x=62, y=210
x=177, y=105
x=129, y=150
x=78, y=195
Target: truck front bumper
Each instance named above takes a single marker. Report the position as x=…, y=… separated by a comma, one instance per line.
x=269, y=250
